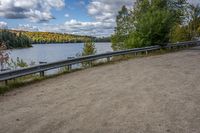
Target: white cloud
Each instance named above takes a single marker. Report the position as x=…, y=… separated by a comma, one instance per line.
x=103, y=12
x=35, y=10
x=72, y=27
x=3, y=25
x=88, y=28
x=81, y=28
x=66, y=15
x=106, y=10
x=27, y=27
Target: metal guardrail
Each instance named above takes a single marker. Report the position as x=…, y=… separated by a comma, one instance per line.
x=4, y=76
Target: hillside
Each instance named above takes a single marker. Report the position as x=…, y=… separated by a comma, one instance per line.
x=49, y=37
x=21, y=39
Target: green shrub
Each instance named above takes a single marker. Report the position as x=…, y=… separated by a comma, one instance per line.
x=89, y=49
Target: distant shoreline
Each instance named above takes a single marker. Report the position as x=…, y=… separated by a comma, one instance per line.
x=46, y=44
x=66, y=43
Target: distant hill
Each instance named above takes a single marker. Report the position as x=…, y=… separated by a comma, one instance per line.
x=20, y=39
x=49, y=37
x=102, y=39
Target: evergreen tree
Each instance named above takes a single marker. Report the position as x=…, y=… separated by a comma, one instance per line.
x=122, y=29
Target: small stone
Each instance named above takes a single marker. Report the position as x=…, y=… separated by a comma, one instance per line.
x=168, y=130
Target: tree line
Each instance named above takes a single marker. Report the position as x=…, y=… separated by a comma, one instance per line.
x=48, y=37
x=21, y=39
x=13, y=40
x=156, y=22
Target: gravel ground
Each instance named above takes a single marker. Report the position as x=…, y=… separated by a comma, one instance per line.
x=157, y=94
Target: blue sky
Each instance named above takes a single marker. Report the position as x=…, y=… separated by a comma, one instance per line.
x=83, y=17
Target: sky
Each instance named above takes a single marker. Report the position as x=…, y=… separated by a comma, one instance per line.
x=82, y=17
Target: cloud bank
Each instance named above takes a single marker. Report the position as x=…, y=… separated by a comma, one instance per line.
x=35, y=10
x=102, y=11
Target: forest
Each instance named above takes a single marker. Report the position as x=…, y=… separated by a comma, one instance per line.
x=10, y=40
x=22, y=39
x=48, y=37
x=156, y=22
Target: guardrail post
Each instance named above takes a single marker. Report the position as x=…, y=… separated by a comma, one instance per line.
x=169, y=47
x=69, y=67
x=146, y=52
x=135, y=53
x=90, y=64
x=42, y=74
x=6, y=82
x=108, y=59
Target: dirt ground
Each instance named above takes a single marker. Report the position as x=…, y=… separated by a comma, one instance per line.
x=157, y=94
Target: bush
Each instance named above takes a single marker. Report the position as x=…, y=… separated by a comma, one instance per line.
x=89, y=49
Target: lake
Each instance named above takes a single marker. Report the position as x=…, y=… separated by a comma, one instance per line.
x=54, y=52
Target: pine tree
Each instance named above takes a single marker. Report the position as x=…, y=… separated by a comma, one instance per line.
x=123, y=28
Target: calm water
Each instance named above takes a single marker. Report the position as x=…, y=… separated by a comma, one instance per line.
x=54, y=52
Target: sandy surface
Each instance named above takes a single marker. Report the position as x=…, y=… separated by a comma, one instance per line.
x=157, y=94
